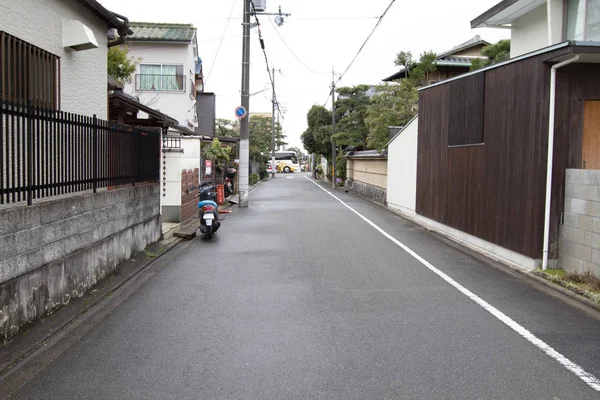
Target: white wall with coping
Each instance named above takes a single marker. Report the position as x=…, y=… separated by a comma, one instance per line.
x=580, y=233
x=402, y=170
x=83, y=73
x=178, y=105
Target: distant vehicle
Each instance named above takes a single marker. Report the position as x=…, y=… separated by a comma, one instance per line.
x=286, y=161
x=285, y=167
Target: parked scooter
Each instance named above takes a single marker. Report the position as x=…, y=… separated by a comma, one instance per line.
x=228, y=185
x=208, y=210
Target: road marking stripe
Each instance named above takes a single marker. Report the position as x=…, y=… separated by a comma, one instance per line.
x=585, y=376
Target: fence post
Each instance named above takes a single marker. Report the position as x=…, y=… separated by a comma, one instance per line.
x=30, y=124
x=95, y=150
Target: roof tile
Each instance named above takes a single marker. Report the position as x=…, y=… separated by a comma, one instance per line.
x=159, y=32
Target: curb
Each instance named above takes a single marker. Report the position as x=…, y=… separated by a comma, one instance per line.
x=548, y=287
x=42, y=331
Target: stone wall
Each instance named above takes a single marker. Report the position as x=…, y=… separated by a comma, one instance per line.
x=580, y=232
x=58, y=249
x=370, y=192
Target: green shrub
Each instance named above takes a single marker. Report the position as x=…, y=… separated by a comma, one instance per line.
x=254, y=179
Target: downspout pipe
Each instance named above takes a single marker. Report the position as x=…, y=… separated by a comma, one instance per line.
x=123, y=30
x=551, y=155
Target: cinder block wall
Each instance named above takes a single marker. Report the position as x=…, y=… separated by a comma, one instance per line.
x=580, y=232
x=58, y=249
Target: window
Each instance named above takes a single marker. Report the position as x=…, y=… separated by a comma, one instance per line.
x=161, y=77
x=582, y=20
x=28, y=74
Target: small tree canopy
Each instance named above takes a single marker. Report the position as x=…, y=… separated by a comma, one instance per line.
x=120, y=66
x=495, y=53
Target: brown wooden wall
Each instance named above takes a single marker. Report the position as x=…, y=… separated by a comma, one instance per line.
x=495, y=190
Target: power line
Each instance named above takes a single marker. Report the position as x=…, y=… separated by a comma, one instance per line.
x=262, y=45
x=368, y=37
x=360, y=50
x=294, y=54
x=221, y=42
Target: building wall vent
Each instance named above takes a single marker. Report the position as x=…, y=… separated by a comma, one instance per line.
x=78, y=36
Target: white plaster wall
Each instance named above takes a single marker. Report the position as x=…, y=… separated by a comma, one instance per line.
x=529, y=32
x=172, y=182
x=83, y=73
x=556, y=20
x=402, y=169
x=190, y=159
x=178, y=105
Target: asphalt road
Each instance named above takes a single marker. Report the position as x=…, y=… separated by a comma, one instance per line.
x=298, y=297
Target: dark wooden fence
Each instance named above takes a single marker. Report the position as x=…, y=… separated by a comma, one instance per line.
x=45, y=153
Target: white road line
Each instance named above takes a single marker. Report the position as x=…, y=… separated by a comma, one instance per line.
x=585, y=376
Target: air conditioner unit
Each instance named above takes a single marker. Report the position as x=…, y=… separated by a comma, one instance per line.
x=260, y=5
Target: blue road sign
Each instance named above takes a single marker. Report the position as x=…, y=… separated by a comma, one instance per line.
x=240, y=112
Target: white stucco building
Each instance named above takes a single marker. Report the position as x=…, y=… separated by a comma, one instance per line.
x=165, y=78
x=73, y=61
x=168, y=79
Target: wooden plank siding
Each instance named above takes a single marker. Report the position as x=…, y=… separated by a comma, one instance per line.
x=495, y=190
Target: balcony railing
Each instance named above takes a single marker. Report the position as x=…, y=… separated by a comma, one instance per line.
x=160, y=83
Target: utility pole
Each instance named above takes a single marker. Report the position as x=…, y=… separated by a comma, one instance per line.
x=333, y=155
x=245, y=122
x=273, y=129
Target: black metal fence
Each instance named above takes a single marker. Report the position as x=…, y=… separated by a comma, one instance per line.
x=46, y=153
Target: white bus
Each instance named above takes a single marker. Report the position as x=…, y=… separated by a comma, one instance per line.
x=286, y=161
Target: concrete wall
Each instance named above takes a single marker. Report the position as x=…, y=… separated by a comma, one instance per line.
x=402, y=169
x=83, y=73
x=580, y=232
x=57, y=250
x=178, y=105
x=529, y=32
x=367, y=177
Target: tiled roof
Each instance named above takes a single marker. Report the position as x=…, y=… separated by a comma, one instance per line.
x=157, y=32
x=454, y=61
x=475, y=41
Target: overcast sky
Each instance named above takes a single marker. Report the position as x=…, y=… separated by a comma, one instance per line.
x=323, y=34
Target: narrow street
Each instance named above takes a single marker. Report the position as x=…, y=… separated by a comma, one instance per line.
x=299, y=297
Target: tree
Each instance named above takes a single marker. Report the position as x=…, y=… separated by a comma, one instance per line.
x=393, y=105
x=120, y=66
x=495, y=53
x=317, y=137
x=416, y=70
x=218, y=154
x=421, y=70
x=226, y=128
x=261, y=137
x=351, y=110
